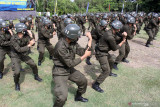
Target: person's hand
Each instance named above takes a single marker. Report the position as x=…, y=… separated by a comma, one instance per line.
x=54, y=33
x=29, y=32
x=31, y=43
x=87, y=53
x=124, y=40
x=124, y=34
x=27, y=23
x=10, y=31
x=54, y=26
x=135, y=27
x=88, y=34
x=107, y=28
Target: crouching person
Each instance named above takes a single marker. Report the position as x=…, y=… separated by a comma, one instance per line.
x=20, y=46
x=64, y=63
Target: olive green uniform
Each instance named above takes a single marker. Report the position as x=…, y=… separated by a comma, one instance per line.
x=63, y=70
x=4, y=48
x=81, y=22
x=106, y=43
x=125, y=48
x=150, y=30
x=19, y=52
x=44, y=42
x=96, y=33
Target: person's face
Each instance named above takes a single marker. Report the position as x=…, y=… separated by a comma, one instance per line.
x=116, y=30
x=20, y=35
x=130, y=24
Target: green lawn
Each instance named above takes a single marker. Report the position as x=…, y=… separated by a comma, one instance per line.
x=136, y=85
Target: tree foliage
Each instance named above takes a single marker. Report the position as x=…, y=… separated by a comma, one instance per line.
x=79, y=6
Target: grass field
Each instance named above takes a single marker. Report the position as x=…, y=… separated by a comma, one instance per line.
x=138, y=87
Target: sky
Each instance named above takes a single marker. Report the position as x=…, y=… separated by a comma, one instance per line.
x=72, y=0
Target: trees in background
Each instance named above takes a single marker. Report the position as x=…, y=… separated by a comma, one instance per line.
x=79, y=6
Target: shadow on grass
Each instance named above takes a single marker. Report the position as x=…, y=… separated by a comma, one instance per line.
x=6, y=70
x=138, y=42
x=52, y=91
x=26, y=70
x=143, y=37
x=46, y=54
x=72, y=89
x=92, y=71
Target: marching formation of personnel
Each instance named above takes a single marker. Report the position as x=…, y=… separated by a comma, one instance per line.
x=106, y=32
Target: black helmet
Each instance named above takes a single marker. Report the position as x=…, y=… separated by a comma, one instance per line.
x=131, y=20
x=72, y=31
x=69, y=16
x=3, y=24
x=116, y=24
x=20, y=27
x=1, y=20
x=56, y=15
x=10, y=21
x=47, y=22
x=37, y=16
x=44, y=14
x=63, y=17
x=103, y=23
x=47, y=15
x=84, y=15
x=115, y=15
x=22, y=20
x=67, y=21
x=29, y=19
x=150, y=14
x=44, y=18
x=105, y=16
x=97, y=16
x=155, y=15
x=92, y=14
x=134, y=15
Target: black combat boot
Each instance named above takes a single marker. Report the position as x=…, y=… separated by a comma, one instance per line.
x=36, y=77
x=37, y=47
x=16, y=81
x=88, y=61
x=112, y=74
x=17, y=87
x=147, y=45
x=96, y=87
x=50, y=57
x=79, y=97
x=125, y=60
x=39, y=63
x=115, y=66
x=1, y=75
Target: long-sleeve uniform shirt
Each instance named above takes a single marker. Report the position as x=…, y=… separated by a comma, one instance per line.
x=5, y=40
x=106, y=43
x=64, y=57
x=19, y=46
